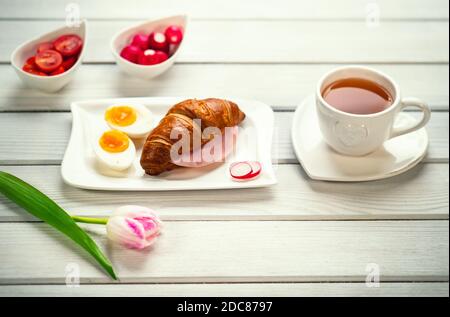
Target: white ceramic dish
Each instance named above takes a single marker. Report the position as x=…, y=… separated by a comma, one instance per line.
x=80, y=168
x=28, y=49
x=123, y=38
x=321, y=162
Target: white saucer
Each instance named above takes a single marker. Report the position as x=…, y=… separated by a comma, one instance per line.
x=321, y=162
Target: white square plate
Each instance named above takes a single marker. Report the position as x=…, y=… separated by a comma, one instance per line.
x=80, y=168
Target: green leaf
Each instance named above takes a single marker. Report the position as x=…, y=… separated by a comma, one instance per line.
x=42, y=207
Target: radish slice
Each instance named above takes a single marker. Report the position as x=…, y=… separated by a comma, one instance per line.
x=240, y=170
x=245, y=170
x=256, y=167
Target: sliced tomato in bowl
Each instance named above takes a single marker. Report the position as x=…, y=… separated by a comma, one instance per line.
x=33, y=70
x=68, y=45
x=31, y=61
x=68, y=62
x=45, y=46
x=48, y=60
x=58, y=71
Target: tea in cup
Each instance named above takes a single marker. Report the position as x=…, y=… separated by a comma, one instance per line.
x=357, y=108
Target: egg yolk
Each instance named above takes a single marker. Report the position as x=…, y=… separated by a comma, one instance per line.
x=114, y=141
x=121, y=116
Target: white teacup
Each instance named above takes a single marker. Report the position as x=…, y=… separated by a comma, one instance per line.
x=356, y=134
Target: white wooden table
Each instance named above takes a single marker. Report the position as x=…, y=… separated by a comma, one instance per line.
x=300, y=237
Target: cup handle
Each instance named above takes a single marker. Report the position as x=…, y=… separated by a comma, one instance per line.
x=423, y=107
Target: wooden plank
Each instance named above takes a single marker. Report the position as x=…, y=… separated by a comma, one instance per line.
x=418, y=194
x=41, y=138
x=257, y=251
x=232, y=290
x=231, y=9
x=281, y=86
x=250, y=41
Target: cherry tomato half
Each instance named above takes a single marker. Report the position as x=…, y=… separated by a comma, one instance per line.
x=31, y=61
x=58, y=71
x=48, y=60
x=45, y=46
x=32, y=70
x=69, y=62
x=68, y=45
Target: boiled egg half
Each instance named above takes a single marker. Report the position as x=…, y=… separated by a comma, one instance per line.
x=134, y=120
x=115, y=150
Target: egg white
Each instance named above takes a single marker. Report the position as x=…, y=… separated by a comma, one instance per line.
x=116, y=161
x=141, y=127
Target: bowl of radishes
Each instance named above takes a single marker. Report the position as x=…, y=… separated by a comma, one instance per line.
x=149, y=49
x=49, y=62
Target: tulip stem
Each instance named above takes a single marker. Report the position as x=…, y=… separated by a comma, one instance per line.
x=95, y=221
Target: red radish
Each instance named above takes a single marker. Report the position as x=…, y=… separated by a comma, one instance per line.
x=141, y=41
x=131, y=53
x=149, y=57
x=158, y=41
x=45, y=46
x=162, y=56
x=244, y=171
x=173, y=48
x=174, y=34
x=68, y=45
x=69, y=62
x=48, y=60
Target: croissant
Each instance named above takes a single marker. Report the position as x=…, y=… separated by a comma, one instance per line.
x=212, y=112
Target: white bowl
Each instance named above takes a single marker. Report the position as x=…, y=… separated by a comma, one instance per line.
x=28, y=49
x=123, y=38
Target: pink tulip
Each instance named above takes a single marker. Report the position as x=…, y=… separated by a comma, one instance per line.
x=134, y=227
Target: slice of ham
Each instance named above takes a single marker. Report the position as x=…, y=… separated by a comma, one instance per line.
x=215, y=151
